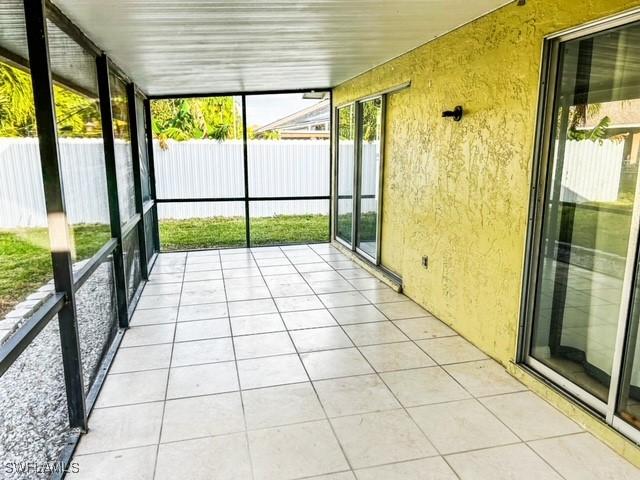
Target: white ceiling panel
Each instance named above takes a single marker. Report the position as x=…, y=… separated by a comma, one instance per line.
x=200, y=46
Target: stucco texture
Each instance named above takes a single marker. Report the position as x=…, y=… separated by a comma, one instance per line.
x=459, y=191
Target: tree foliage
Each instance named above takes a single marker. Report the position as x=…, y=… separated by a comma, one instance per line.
x=16, y=103
x=597, y=133
x=371, y=115
x=577, y=130
x=77, y=115
x=214, y=118
x=371, y=120
x=346, y=123
x=266, y=135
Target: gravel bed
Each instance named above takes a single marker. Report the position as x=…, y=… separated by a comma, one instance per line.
x=34, y=421
x=96, y=311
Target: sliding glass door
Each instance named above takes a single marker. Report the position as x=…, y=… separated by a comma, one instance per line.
x=345, y=147
x=586, y=232
x=359, y=170
x=629, y=401
x=369, y=157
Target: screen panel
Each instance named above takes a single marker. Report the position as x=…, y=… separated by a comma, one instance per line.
x=289, y=222
x=149, y=219
x=189, y=226
x=25, y=259
x=131, y=253
x=198, y=147
x=123, y=153
x=81, y=145
x=97, y=319
x=288, y=144
x=33, y=430
x=145, y=178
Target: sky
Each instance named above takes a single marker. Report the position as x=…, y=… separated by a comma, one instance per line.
x=264, y=109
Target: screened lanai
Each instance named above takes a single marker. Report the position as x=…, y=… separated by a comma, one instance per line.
x=231, y=237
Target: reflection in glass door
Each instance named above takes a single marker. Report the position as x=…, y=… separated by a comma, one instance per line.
x=368, y=193
x=345, y=165
x=629, y=401
x=588, y=231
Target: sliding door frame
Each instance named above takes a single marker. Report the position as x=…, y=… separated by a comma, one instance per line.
x=336, y=163
x=357, y=177
x=383, y=95
x=541, y=182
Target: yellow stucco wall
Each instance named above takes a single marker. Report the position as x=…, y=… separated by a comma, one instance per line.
x=459, y=192
x=394, y=205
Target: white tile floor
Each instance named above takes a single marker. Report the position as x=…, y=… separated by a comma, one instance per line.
x=291, y=363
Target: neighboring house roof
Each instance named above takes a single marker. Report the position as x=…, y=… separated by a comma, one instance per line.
x=298, y=124
x=622, y=114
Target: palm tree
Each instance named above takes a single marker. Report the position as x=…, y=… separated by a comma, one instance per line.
x=17, y=116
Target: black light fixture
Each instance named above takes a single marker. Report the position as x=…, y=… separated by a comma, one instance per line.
x=456, y=113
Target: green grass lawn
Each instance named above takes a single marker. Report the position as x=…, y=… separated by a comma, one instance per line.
x=25, y=261
x=227, y=232
x=367, y=226
x=603, y=230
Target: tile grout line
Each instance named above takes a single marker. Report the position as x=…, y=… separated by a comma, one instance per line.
x=335, y=436
x=409, y=339
x=473, y=397
x=402, y=407
x=354, y=346
x=235, y=359
x=292, y=329
x=477, y=398
x=394, y=395
x=295, y=383
x=315, y=421
x=166, y=389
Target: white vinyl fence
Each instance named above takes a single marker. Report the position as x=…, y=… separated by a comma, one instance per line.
x=370, y=174
x=212, y=169
x=199, y=168
x=592, y=171
x=207, y=168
